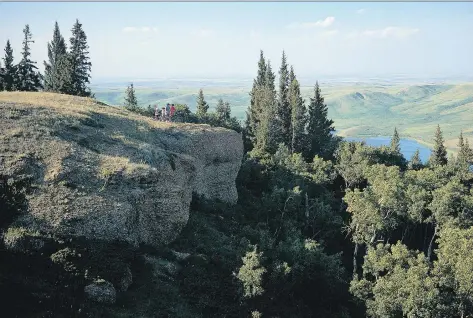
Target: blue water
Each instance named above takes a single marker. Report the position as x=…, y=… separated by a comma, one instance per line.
x=408, y=147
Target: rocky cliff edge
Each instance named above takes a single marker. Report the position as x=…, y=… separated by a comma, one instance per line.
x=105, y=173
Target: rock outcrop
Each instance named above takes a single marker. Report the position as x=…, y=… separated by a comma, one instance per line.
x=104, y=173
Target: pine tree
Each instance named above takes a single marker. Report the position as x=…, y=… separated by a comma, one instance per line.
x=202, y=106
x=222, y=111
x=439, y=153
x=28, y=78
x=267, y=129
x=1, y=77
x=9, y=71
x=53, y=74
x=80, y=66
x=396, y=142
x=283, y=110
x=131, y=102
x=292, y=76
x=464, y=154
x=319, y=128
x=255, y=110
x=415, y=163
x=298, y=118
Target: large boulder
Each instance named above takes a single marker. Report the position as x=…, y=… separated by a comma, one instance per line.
x=101, y=292
x=105, y=173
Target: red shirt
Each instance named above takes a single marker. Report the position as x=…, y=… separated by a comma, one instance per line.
x=173, y=109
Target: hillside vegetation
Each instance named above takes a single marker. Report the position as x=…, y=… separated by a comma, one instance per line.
x=357, y=110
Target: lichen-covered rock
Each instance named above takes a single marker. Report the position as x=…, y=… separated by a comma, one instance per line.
x=101, y=292
x=104, y=173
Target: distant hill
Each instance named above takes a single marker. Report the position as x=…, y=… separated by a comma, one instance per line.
x=357, y=109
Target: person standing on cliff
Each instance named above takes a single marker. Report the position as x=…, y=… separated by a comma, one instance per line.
x=163, y=113
x=156, y=112
x=173, y=110
x=168, y=110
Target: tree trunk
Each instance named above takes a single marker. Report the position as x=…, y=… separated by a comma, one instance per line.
x=355, y=253
x=429, y=252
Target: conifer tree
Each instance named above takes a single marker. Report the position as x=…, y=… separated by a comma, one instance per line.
x=439, y=153
x=202, y=106
x=53, y=74
x=267, y=129
x=464, y=154
x=283, y=110
x=1, y=77
x=292, y=76
x=80, y=66
x=395, y=142
x=222, y=111
x=415, y=163
x=9, y=71
x=298, y=118
x=28, y=79
x=131, y=102
x=319, y=128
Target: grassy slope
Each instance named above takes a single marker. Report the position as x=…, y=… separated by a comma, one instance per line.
x=358, y=110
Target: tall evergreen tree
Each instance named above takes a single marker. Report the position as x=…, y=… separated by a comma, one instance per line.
x=131, y=102
x=9, y=71
x=298, y=118
x=53, y=74
x=292, y=76
x=28, y=78
x=222, y=111
x=1, y=77
x=202, y=106
x=319, y=128
x=267, y=129
x=415, y=163
x=283, y=110
x=80, y=65
x=464, y=154
x=395, y=142
x=439, y=153
x=255, y=110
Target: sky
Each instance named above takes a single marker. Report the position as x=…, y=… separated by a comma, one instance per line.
x=220, y=39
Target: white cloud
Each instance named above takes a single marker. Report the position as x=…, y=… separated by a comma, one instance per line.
x=144, y=29
x=328, y=21
x=361, y=11
x=202, y=33
x=396, y=32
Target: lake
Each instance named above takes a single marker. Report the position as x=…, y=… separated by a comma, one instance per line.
x=408, y=146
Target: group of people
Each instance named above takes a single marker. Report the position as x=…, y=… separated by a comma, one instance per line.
x=165, y=114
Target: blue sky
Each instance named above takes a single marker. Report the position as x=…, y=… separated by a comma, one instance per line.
x=152, y=40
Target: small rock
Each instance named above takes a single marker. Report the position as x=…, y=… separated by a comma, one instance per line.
x=101, y=292
x=180, y=256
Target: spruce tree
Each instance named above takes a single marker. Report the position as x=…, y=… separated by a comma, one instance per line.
x=255, y=110
x=415, y=163
x=283, y=110
x=439, y=153
x=222, y=111
x=53, y=73
x=395, y=142
x=1, y=77
x=267, y=129
x=464, y=154
x=80, y=66
x=9, y=71
x=202, y=106
x=319, y=128
x=131, y=102
x=292, y=76
x=298, y=118
x=28, y=79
